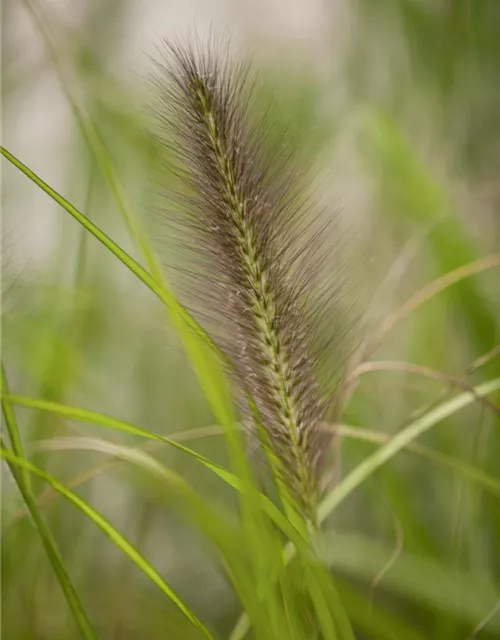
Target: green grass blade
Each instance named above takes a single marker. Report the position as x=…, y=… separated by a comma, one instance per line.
x=114, y=248
x=101, y=419
x=113, y=534
x=329, y=607
x=13, y=430
x=323, y=611
x=486, y=481
x=82, y=620
x=398, y=442
x=93, y=417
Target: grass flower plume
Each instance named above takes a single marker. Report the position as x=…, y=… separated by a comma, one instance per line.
x=254, y=263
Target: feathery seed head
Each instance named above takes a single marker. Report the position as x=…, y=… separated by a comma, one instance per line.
x=256, y=261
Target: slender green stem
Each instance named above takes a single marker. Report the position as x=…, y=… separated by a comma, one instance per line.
x=400, y=440
x=144, y=276
x=21, y=477
x=129, y=262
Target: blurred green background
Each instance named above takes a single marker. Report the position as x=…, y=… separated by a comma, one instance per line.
x=396, y=106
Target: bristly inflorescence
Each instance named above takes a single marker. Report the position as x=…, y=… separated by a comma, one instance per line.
x=255, y=261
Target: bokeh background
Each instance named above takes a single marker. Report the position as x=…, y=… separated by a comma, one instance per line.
x=395, y=105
